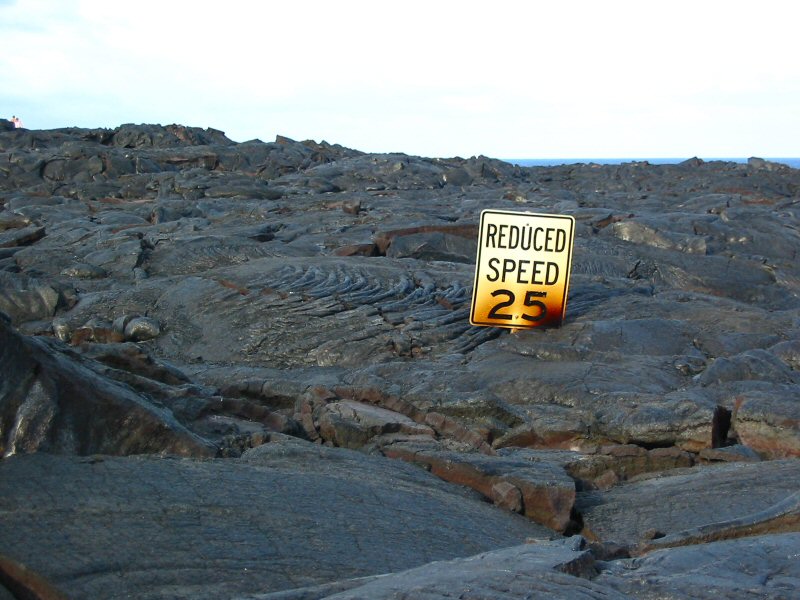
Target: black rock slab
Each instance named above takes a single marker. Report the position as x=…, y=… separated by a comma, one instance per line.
x=671, y=503
x=558, y=569
x=764, y=566
x=287, y=516
x=51, y=401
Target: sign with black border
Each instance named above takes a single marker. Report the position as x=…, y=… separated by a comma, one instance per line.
x=522, y=270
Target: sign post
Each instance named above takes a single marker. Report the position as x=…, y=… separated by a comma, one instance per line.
x=522, y=270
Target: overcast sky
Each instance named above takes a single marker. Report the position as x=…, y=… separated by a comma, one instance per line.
x=508, y=79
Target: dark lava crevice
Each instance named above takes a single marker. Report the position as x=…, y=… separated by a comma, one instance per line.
x=720, y=427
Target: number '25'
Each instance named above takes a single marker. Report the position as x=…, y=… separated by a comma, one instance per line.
x=529, y=301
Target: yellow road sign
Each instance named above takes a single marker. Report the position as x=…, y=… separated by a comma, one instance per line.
x=522, y=271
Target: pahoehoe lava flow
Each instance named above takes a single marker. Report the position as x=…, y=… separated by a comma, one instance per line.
x=246, y=370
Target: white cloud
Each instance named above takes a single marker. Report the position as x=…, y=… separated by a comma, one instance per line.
x=519, y=78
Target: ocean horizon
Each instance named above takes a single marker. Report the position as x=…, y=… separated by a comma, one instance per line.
x=552, y=162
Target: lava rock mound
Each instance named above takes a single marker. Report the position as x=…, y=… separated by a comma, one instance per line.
x=247, y=370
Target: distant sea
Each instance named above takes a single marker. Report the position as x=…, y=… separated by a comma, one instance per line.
x=550, y=162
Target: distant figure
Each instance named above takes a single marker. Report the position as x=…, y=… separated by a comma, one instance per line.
x=16, y=121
